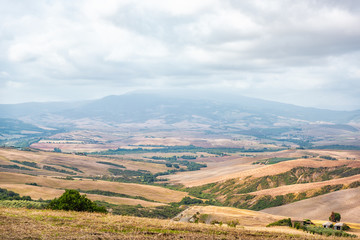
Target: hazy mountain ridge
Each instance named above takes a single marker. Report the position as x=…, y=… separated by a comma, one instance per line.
x=216, y=114
x=137, y=107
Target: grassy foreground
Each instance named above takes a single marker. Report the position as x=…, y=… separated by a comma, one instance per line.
x=48, y=224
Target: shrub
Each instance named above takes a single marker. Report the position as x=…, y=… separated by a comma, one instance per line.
x=71, y=200
x=188, y=201
x=345, y=227
x=203, y=218
x=282, y=222
x=33, y=184
x=327, y=232
x=58, y=150
x=213, y=222
x=233, y=223
x=10, y=195
x=297, y=225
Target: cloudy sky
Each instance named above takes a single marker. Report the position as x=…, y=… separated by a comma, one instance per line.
x=301, y=52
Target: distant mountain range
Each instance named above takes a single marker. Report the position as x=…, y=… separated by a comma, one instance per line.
x=140, y=107
x=216, y=113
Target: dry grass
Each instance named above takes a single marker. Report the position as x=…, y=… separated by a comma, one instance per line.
x=46, y=193
x=242, y=167
x=47, y=224
x=245, y=217
x=155, y=193
x=87, y=164
x=346, y=202
x=298, y=188
x=252, y=220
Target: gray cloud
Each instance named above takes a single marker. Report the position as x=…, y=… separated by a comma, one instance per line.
x=304, y=52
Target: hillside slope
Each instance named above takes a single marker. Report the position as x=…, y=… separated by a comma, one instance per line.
x=346, y=202
x=47, y=224
x=18, y=184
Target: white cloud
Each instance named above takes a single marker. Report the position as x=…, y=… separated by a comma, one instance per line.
x=273, y=50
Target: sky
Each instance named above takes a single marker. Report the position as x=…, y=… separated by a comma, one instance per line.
x=300, y=52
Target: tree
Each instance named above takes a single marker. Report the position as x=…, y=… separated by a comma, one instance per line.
x=335, y=217
x=188, y=201
x=57, y=150
x=71, y=200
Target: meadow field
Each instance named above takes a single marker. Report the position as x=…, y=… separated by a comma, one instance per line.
x=48, y=224
x=227, y=183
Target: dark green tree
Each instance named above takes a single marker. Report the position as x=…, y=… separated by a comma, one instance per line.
x=188, y=201
x=71, y=200
x=57, y=150
x=335, y=217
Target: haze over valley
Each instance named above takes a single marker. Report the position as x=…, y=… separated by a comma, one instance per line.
x=179, y=119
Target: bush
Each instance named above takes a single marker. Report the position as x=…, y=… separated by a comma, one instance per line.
x=297, y=225
x=282, y=222
x=345, y=227
x=58, y=150
x=328, y=232
x=203, y=218
x=71, y=200
x=188, y=201
x=213, y=222
x=10, y=195
x=233, y=223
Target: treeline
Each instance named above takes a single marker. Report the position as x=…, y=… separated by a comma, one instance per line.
x=174, y=149
x=144, y=176
x=114, y=194
x=16, y=167
x=49, y=168
x=26, y=163
x=308, y=226
x=338, y=147
x=161, y=212
x=174, y=158
x=10, y=195
x=111, y=164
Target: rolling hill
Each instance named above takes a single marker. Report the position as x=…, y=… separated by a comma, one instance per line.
x=345, y=202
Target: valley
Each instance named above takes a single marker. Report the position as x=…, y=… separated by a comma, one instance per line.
x=185, y=164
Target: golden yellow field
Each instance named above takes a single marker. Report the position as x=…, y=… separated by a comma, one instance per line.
x=47, y=193
x=53, y=185
x=224, y=214
x=48, y=224
x=87, y=164
x=345, y=202
x=298, y=188
x=236, y=165
x=242, y=167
